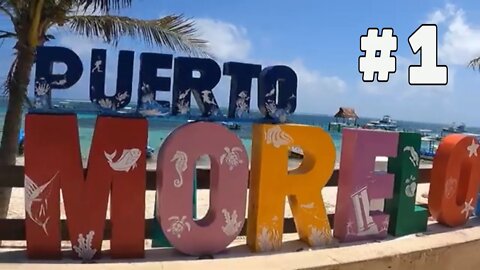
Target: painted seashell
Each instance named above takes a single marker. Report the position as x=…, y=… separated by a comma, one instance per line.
x=276, y=136
x=410, y=189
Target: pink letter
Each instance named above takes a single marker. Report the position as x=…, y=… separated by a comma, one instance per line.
x=228, y=188
x=358, y=184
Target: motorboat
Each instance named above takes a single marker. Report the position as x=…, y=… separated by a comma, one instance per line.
x=231, y=125
x=454, y=128
x=386, y=123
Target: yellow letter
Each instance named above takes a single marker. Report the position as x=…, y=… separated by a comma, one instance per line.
x=270, y=182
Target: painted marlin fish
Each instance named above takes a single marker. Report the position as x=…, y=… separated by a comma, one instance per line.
x=126, y=162
x=37, y=197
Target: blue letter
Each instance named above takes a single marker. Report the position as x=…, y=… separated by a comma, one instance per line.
x=150, y=83
x=287, y=92
x=240, y=87
x=123, y=93
x=45, y=80
x=184, y=84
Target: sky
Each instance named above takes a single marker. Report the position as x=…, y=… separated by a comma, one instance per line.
x=320, y=40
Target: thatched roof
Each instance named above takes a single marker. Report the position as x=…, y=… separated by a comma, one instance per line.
x=344, y=112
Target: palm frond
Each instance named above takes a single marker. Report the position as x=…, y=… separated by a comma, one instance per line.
x=7, y=34
x=174, y=31
x=7, y=9
x=475, y=63
x=105, y=6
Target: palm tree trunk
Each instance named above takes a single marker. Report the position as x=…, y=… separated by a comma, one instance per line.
x=13, y=118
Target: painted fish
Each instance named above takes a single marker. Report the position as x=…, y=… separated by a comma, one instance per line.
x=37, y=197
x=184, y=95
x=126, y=162
x=122, y=96
x=206, y=97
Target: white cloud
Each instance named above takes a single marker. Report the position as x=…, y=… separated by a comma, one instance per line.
x=312, y=80
x=440, y=15
x=317, y=92
x=226, y=41
x=461, y=40
x=230, y=42
x=81, y=45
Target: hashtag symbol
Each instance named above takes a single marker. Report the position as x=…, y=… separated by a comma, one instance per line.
x=378, y=56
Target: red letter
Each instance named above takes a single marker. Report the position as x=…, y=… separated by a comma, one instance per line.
x=116, y=162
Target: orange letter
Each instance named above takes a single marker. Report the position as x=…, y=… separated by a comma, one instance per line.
x=455, y=180
x=271, y=181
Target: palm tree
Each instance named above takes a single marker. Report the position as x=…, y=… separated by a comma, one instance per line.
x=32, y=19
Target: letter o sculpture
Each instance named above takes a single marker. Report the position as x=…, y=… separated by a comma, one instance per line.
x=228, y=188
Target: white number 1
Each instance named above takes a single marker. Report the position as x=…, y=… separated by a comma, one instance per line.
x=424, y=39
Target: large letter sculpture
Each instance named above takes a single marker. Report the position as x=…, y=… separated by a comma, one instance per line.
x=228, y=188
x=53, y=162
x=123, y=93
x=270, y=182
x=358, y=184
x=454, y=180
x=46, y=79
x=405, y=216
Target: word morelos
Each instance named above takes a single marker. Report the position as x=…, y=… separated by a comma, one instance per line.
x=277, y=85
x=116, y=167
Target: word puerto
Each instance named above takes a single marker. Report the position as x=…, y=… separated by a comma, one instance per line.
x=277, y=85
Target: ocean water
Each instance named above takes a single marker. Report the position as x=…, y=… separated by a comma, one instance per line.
x=160, y=128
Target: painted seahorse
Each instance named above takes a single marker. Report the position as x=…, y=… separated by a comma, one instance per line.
x=180, y=159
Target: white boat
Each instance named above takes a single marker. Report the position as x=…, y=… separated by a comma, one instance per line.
x=231, y=125
x=386, y=123
x=454, y=128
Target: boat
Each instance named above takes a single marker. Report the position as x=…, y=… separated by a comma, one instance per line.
x=386, y=123
x=231, y=125
x=454, y=128
x=428, y=147
x=345, y=117
x=425, y=132
x=430, y=143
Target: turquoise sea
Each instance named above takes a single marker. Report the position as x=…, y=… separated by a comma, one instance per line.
x=159, y=128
